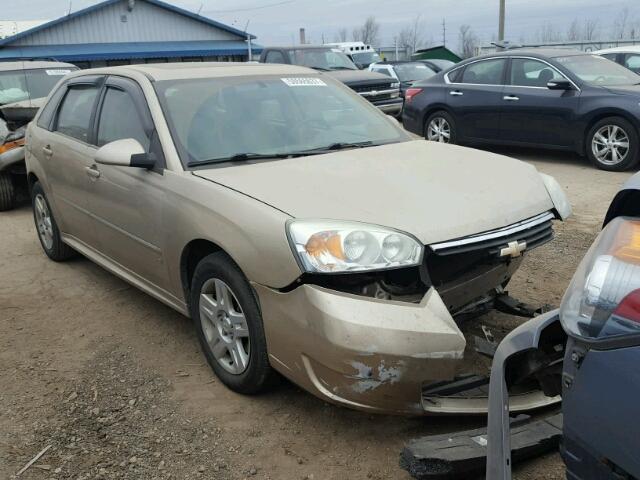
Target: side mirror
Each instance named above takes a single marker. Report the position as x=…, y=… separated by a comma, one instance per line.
x=124, y=153
x=559, y=85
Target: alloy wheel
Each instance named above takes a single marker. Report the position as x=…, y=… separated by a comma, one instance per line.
x=44, y=223
x=439, y=130
x=610, y=145
x=224, y=326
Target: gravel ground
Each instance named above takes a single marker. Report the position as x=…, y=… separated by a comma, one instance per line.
x=115, y=384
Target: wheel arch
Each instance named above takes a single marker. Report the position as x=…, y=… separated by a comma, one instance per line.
x=32, y=178
x=600, y=115
x=436, y=108
x=192, y=253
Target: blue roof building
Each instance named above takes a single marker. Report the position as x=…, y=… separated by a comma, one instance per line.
x=117, y=32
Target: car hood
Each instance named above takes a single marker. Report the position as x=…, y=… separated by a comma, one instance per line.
x=435, y=192
x=358, y=77
x=625, y=90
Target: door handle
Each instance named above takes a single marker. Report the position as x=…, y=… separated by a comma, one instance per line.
x=93, y=172
x=511, y=98
x=456, y=93
x=47, y=150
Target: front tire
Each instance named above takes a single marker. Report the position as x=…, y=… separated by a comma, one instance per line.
x=47, y=228
x=440, y=127
x=612, y=144
x=229, y=326
x=7, y=192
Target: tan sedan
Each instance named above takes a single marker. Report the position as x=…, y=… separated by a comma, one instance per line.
x=303, y=231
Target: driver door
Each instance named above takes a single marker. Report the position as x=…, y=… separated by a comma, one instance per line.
x=127, y=202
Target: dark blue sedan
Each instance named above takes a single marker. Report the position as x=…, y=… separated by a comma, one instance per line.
x=551, y=98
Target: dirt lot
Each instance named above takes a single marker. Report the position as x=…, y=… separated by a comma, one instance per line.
x=115, y=383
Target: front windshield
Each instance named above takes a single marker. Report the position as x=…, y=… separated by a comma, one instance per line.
x=214, y=119
x=366, y=58
x=18, y=85
x=597, y=70
x=412, y=72
x=322, y=59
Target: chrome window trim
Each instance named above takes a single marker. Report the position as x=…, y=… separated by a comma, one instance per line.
x=493, y=234
x=449, y=82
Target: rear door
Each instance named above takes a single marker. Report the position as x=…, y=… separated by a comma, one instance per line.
x=533, y=114
x=475, y=93
x=66, y=149
x=127, y=202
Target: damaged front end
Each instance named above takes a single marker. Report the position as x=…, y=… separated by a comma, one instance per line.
x=402, y=341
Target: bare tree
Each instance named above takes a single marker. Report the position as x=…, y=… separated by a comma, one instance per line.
x=411, y=37
x=548, y=33
x=467, y=41
x=574, y=32
x=620, y=23
x=368, y=33
x=590, y=29
x=341, y=35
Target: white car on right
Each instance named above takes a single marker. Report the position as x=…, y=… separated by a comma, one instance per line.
x=627, y=56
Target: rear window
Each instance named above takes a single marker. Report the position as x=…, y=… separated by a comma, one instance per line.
x=485, y=72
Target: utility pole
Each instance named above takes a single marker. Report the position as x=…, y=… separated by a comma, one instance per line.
x=249, y=49
x=444, y=33
x=501, y=22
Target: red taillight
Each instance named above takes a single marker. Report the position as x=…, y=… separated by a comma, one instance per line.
x=629, y=307
x=410, y=93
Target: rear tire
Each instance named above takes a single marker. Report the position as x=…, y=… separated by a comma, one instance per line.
x=228, y=322
x=440, y=127
x=612, y=144
x=7, y=192
x=47, y=228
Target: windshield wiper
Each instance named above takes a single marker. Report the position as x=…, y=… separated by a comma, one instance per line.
x=339, y=146
x=244, y=157
x=241, y=157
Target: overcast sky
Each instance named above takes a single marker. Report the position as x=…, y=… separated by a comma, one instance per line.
x=278, y=21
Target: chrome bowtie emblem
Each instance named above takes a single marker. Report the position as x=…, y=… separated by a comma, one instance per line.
x=513, y=249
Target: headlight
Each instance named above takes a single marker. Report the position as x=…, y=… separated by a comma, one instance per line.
x=326, y=246
x=395, y=85
x=603, y=299
x=558, y=197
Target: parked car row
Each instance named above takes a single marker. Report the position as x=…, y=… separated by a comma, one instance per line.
x=23, y=89
x=284, y=234
x=549, y=98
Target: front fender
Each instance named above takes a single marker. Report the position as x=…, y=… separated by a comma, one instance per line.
x=11, y=157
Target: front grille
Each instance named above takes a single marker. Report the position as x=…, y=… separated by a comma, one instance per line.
x=379, y=98
x=454, y=265
x=371, y=87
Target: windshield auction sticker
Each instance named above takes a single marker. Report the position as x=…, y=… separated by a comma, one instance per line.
x=58, y=72
x=304, y=82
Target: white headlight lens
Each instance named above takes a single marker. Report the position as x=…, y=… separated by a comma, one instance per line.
x=558, y=197
x=326, y=246
x=603, y=297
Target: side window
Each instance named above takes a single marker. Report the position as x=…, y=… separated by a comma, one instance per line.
x=119, y=119
x=610, y=56
x=382, y=70
x=632, y=62
x=74, y=115
x=274, y=56
x=485, y=72
x=48, y=111
x=526, y=72
x=455, y=75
